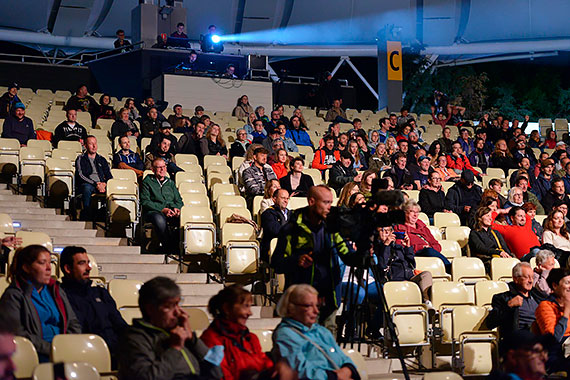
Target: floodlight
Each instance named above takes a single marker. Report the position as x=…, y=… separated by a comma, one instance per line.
x=215, y=38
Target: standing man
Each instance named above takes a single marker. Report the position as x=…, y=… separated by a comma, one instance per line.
x=161, y=203
x=308, y=253
x=93, y=305
x=91, y=175
x=121, y=42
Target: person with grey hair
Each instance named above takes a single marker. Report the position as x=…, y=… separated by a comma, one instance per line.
x=516, y=198
x=240, y=145
x=545, y=261
x=162, y=345
x=514, y=309
x=308, y=347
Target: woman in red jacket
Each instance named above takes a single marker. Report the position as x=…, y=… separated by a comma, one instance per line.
x=243, y=357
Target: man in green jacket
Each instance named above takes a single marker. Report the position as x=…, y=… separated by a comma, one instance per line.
x=161, y=203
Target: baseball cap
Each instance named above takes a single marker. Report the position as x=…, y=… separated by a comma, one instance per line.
x=19, y=105
x=421, y=158
x=165, y=124
x=468, y=176
x=560, y=143
x=547, y=162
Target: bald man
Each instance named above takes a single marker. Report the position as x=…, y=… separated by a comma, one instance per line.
x=307, y=252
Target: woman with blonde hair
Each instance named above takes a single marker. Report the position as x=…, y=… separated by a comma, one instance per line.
x=267, y=200
x=213, y=143
x=380, y=160
x=391, y=146
x=346, y=192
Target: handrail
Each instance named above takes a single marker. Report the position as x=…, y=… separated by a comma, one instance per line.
x=119, y=49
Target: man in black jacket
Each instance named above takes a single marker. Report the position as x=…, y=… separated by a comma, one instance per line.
x=432, y=197
x=273, y=219
x=464, y=195
x=69, y=130
x=557, y=193
x=400, y=174
x=93, y=305
x=342, y=172
x=514, y=309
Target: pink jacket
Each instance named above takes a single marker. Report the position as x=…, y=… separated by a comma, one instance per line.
x=420, y=236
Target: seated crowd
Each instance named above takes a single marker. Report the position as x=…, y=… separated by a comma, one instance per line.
x=312, y=255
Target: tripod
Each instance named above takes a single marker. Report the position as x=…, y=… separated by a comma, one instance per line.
x=355, y=315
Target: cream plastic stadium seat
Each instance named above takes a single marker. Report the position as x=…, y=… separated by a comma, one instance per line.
x=561, y=125
x=446, y=219
x=502, y=268
x=265, y=339
x=424, y=218
x=192, y=188
x=65, y=154
x=147, y=172
x=226, y=212
x=434, y=265
x=191, y=168
x=134, y=144
x=29, y=238
x=25, y=358
x=195, y=200
x=59, y=174
x=199, y=231
x=129, y=313
x=257, y=208
x=125, y=292
x=85, y=348
x=3, y=284
x=236, y=162
x=79, y=370
x=485, y=290
x=468, y=269
x=32, y=164
x=215, y=178
x=214, y=160
x=477, y=347
x=444, y=375
x=224, y=169
x=413, y=194
x=145, y=142
x=532, y=262
x=450, y=248
x=445, y=185
x=122, y=202
x=241, y=248
x=315, y=175
x=44, y=145
x=458, y=234
x=544, y=124
x=220, y=189
x=9, y=156
x=446, y=296
x=236, y=201
x=74, y=146
x=191, y=177
x=297, y=202
x=409, y=314
x=306, y=151
x=124, y=175
x=495, y=173
x=6, y=225
x=358, y=361
x=197, y=317
x=540, y=219
x=436, y=232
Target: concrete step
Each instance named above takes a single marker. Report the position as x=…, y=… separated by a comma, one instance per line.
x=109, y=249
x=18, y=203
x=378, y=366
x=17, y=216
x=195, y=301
x=186, y=277
x=71, y=240
x=130, y=259
x=200, y=289
x=8, y=209
x=12, y=197
x=64, y=232
x=263, y=323
x=192, y=278
x=121, y=268
x=34, y=224
x=256, y=311
x=5, y=191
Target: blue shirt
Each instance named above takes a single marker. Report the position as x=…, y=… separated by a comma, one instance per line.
x=48, y=312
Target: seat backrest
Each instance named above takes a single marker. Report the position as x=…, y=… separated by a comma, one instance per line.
x=187, y=159
x=495, y=173
x=237, y=232
x=190, y=214
x=413, y=194
x=458, y=234
x=86, y=348
x=197, y=317
x=195, y=200
x=445, y=375
x=462, y=267
x=78, y=370
x=223, y=169
x=192, y=188
x=44, y=145
x=58, y=164
x=64, y=154
x=74, y=146
x=124, y=175
x=29, y=238
x=297, y=202
x=191, y=168
x=434, y=265
x=358, y=361
x=214, y=178
x=446, y=219
x=502, y=268
x=214, y=160
x=219, y=189
x=447, y=292
x=235, y=201
x=27, y=153
x=9, y=145
x=436, y=232
x=236, y=162
x=3, y=284
x=120, y=187
x=226, y=212
x=450, y=248
x=94, y=266
x=125, y=292
x=424, y=218
x=467, y=318
x=265, y=339
x=129, y=313
x=485, y=290
x=6, y=225
x=402, y=293
x=192, y=177
x=25, y=357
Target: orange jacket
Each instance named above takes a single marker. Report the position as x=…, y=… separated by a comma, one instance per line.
x=547, y=314
x=319, y=159
x=279, y=169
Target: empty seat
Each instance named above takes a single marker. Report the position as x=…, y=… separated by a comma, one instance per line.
x=219, y=189
x=434, y=265
x=236, y=162
x=199, y=231
x=85, y=348
x=122, y=201
x=485, y=290
x=424, y=218
x=502, y=268
x=446, y=219
x=410, y=317
x=468, y=269
x=265, y=339
x=74, y=146
x=197, y=318
x=124, y=175
x=192, y=177
x=195, y=200
x=214, y=160
x=445, y=296
x=25, y=357
x=450, y=248
x=358, y=361
x=44, y=145
x=235, y=201
x=436, y=232
x=129, y=313
x=458, y=234
x=495, y=173
x=9, y=156
x=78, y=370
x=297, y=202
x=191, y=168
x=65, y=154
x=59, y=176
x=413, y=194
x=192, y=188
x=125, y=292
x=32, y=165
x=219, y=169
x=6, y=225
x=214, y=178
x=240, y=247
x=29, y=238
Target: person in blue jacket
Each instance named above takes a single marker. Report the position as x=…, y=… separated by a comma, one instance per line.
x=298, y=134
x=309, y=348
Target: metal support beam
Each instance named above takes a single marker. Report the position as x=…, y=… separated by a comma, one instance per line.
x=496, y=59
x=338, y=65
x=347, y=60
x=272, y=74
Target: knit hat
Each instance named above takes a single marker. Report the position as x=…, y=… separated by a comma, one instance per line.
x=19, y=105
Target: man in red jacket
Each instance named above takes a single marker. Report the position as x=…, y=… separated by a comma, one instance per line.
x=458, y=161
x=326, y=156
x=518, y=236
